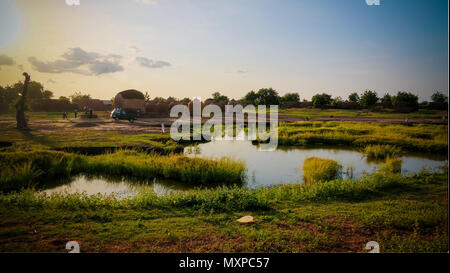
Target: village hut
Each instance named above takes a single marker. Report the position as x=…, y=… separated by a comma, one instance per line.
x=130, y=100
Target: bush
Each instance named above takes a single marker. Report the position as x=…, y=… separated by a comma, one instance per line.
x=319, y=170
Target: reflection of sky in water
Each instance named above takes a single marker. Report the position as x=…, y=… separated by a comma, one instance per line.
x=100, y=185
x=283, y=166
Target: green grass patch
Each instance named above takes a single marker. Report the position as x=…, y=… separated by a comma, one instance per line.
x=381, y=151
x=24, y=169
x=320, y=170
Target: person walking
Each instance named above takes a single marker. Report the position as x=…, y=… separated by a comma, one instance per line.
x=75, y=113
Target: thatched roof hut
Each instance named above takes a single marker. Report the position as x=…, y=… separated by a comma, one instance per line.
x=130, y=100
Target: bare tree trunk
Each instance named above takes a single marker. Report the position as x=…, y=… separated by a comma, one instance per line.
x=21, y=104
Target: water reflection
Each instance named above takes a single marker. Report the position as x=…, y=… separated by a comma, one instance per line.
x=119, y=187
x=284, y=166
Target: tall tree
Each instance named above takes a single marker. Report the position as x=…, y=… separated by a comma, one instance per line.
x=321, y=100
x=439, y=97
x=353, y=97
x=368, y=99
x=21, y=105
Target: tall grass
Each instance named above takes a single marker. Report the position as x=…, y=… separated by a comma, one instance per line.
x=319, y=170
x=24, y=169
x=381, y=151
x=369, y=186
x=391, y=165
x=412, y=137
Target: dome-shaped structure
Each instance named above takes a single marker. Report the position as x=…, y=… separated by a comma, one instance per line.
x=130, y=100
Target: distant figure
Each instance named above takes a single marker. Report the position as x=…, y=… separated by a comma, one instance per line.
x=163, y=128
x=138, y=112
x=90, y=112
x=64, y=114
x=75, y=113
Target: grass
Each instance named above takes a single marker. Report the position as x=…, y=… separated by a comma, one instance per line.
x=381, y=151
x=313, y=113
x=320, y=170
x=401, y=213
x=392, y=165
x=412, y=137
x=24, y=169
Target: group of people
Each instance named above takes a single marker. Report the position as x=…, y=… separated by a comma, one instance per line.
x=75, y=112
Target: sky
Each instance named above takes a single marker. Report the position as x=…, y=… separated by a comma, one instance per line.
x=192, y=48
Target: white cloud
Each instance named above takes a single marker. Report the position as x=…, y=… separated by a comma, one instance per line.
x=78, y=61
x=145, y=62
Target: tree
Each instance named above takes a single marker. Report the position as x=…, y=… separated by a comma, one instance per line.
x=147, y=97
x=291, y=97
x=321, y=100
x=386, y=98
x=21, y=105
x=77, y=96
x=185, y=101
x=47, y=94
x=218, y=98
x=336, y=101
x=267, y=97
x=368, y=99
x=250, y=98
x=439, y=97
x=64, y=98
x=405, y=99
x=353, y=97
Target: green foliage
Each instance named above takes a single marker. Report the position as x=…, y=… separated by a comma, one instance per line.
x=392, y=165
x=368, y=99
x=381, y=151
x=320, y=170
x=290, y=97
x=439, y=97
x=386, y=98
x=219, y=98
x=406, y=99
x=77, y=96
x=251, y=98
x=267, y=97
x=353, y=97
x=321, y=100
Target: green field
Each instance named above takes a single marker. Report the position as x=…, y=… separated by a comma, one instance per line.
x=314, y=113
x=401, y=213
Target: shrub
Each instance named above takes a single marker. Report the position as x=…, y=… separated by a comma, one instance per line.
x=381, y=151
x=319, y=170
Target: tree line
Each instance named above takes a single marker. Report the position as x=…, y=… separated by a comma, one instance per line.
x=41, y=98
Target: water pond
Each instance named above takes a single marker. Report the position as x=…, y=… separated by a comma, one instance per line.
x=282, y=166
